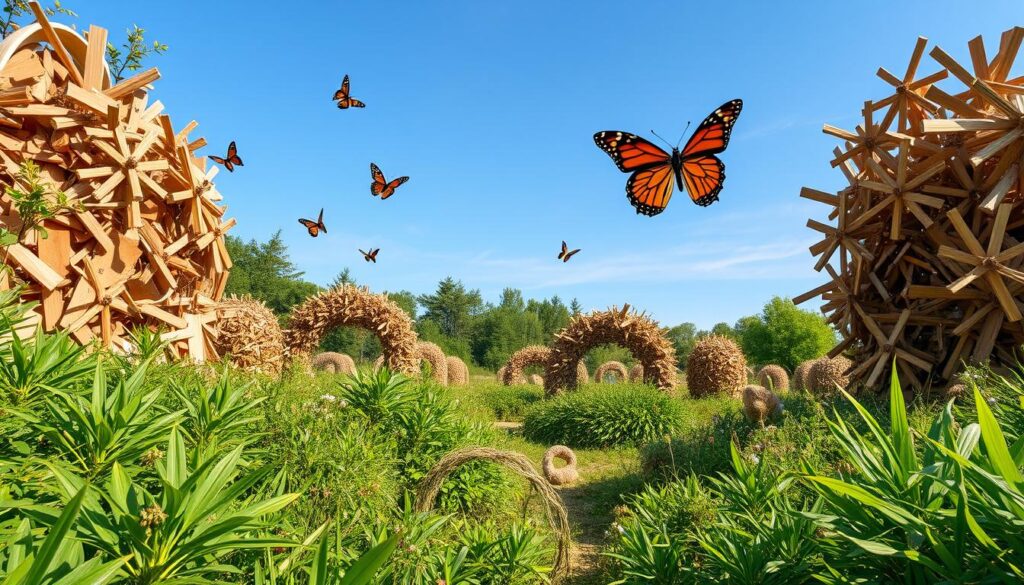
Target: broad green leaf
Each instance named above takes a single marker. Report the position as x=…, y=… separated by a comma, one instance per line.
x=362, y=571
x=55, y=539
x=995, y=443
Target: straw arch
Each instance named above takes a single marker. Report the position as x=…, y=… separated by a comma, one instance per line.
x=558, y=518
x=533, y=355
x=350, y=306
x=633, y=331
x=611, y=367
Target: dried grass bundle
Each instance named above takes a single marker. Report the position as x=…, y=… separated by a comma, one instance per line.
x=434, y=355
x=774, y=378
x=716, y=365
x=827, y=375
x=458, y=372
x=565, y=475
x=248, y=333
x=760, y=404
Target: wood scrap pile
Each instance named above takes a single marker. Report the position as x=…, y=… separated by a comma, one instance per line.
x=142, y=240
x=925, y=255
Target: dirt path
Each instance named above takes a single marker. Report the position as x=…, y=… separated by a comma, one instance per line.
x=603, y=476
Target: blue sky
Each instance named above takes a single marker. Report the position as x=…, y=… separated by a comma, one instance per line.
x=490, y=108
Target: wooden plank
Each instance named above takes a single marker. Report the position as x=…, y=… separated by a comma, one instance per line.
x=55, y=42
x=136, y=82
x=34, y=267
x=95, y=58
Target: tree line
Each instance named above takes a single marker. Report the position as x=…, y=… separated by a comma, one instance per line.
x=486, y=333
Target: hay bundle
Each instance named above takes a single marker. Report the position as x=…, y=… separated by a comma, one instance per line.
x=558, y=519
x=922, y=248
x=335, y=363
x=829, y=374
x=458, y=372
x=800, y=375
x=773, y=377
x=716, y=364
x=636, y=373
x=247, y=332
x=500, y=374
x=536, y=379
x=617, y=369
x=564, y=475
x=351, y=306
x=140, y=241
x=434, y=355
x=634, y=331
x=760, y=403
x=512, y=373
x=582, y=374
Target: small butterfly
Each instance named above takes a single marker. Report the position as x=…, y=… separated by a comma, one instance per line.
x=695, y=168
x=370, y=256
x=344, y=99
x=380, y=186
x=565, y=254
x=231, y=160
x=315, y=227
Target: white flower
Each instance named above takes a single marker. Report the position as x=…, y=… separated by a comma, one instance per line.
x=328, y=397
x=754, y=459
x=343, y=403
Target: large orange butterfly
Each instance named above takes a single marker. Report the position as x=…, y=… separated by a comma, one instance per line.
x=370, y=256
x=231, y=160
x=315, y=227
x=380, y=186
x=695, y=167
x=344, y=99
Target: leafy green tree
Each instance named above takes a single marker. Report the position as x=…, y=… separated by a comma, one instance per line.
x=786, y=335
x=683, y=338
x=264, y=271
x=451, y=307
x=575, y=308
x=552, y=313
x=503, y=329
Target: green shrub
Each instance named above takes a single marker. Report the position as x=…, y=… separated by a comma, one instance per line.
x=602, y=416
x=507, y=403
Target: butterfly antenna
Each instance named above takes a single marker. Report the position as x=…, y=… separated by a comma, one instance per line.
x=684, y=134
x=667, y=143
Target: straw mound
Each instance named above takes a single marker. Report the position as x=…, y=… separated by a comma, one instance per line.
x=636, y=373
x=248, y=333
x=558, y=518
x=458, y=372
x=434, y=355
x=351, y=306
x=564, y=475
x=634, y=331
x=716, y=365
x=536, y=379
x=611, y=367
x=759, y=403
x=773, y=377
x=827, y=375
x=335, y=363
x=800, y=375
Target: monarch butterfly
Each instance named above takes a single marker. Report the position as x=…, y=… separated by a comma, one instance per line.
x=344, y=100
x=231, y=160
x=565, y=254
x=315, y=227
x=370, y=256
x=380, y=186
x=695, y=167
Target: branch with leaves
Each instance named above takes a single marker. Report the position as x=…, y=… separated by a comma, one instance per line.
x=131, y=54
x=34, y=204
x=14, y=10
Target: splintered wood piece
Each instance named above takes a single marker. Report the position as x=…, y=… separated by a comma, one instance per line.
x=94, y=58
x=55, y=42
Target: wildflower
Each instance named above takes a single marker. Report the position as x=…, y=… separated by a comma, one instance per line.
x=754, y=459
x=621, y=529
x=342, y=403
x=328, y=398
x=149, y=458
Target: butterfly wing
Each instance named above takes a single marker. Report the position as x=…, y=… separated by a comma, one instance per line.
x=353, y=102
x=311, y=226
x=378, y=183
x=570, y=255
x=649, y=190
x=223, y=161
x=373, y=254
x=565, y=249
x=320, y=221
x=704, y=178
x=389, y=190
x=629, y=151
x=701, y=172
x=712, y=136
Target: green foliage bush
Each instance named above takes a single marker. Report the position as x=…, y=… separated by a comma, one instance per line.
x=603, y=416
x=785, y=335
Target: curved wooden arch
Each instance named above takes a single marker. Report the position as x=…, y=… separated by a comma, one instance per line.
x=350, y=306
x=633, y=331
